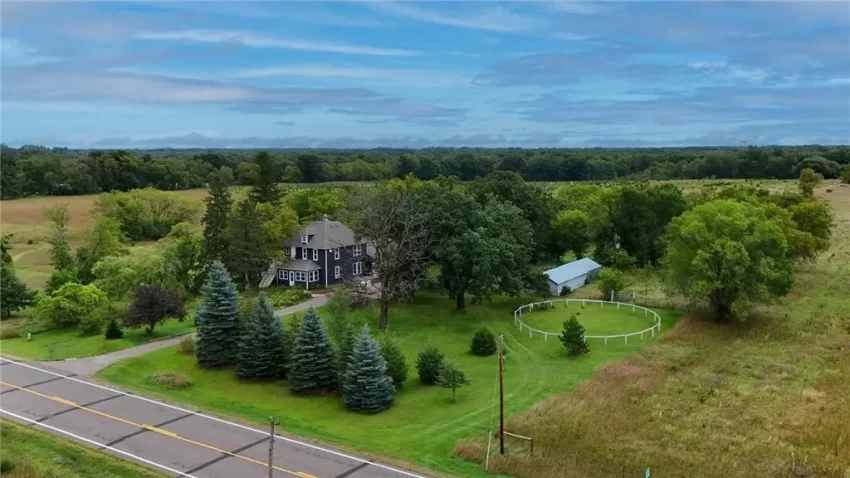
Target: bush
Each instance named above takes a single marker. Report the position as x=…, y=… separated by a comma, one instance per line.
x=30, y=242
x=169, y=380
x=483, y=343
x=428, y=364
x=396, y=365
x=829, y=190
x=113, y=330
x=91, y=325
x=8, y=331
x=287, y=297
x=565, y=291
x=186, y=346
x=611, y=280
x=70, y=304
x=6, y=465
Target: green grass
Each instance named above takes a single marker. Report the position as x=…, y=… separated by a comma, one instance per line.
x=423, y=425
x=37, y=454
x=59, y=344
x=596, y=320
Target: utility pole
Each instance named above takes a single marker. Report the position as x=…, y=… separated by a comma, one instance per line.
x=501, y=397
x=272, y=423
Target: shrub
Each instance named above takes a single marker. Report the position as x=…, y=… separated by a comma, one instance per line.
x=573, y=337
x=169, y=380
x=287, y=297
x=113, y=330
x=428, y=364
x=451, y=377
x=186, y=346
x=611, y=280
x=6, y=465
x=30, y=242
x=396, y=365
x=70, y=304
x=829, y=190
x=91, y=325
x=566, y=291
x=8, y=331
x=59, y=278
x=483, y=343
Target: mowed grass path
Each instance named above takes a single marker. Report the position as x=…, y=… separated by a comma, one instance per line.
x=423, y=425
x=38, y=454
x=606, y=319
x=60, y=344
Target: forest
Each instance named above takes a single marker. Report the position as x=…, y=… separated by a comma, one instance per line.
x=40, y=171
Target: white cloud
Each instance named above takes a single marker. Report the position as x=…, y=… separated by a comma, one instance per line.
x=17, y=53
x=262, y=41
x=404, y=76
x=491, y=19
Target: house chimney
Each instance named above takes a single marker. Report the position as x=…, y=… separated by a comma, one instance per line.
x=324, y=218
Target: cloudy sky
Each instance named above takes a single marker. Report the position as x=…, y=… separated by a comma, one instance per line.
x=371, y=73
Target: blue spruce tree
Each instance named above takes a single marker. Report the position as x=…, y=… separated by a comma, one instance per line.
x=261, y=354
x=313, y=364
x=218, y=320
x=367, y=387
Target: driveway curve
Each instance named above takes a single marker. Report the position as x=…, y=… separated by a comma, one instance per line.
x=89, y=366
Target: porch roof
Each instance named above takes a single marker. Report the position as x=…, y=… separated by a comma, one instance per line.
x=300, y=265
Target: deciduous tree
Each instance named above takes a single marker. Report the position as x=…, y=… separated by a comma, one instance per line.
x=152, y=304
x=452, y=377
x=103, y=240
x=808, y=181
x=60, y=252
x=727, y=253
x=70, y=304
x=571, y=232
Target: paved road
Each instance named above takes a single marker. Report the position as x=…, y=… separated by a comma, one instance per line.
x=91, y=365
x=174, y=440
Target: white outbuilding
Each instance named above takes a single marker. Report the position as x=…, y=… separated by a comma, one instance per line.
x=573, y=275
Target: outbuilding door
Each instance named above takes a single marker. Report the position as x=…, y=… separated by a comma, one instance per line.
x=291, y=278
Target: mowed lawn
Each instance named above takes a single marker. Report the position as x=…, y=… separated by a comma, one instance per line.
x=31, y=453
x=597, y=319
x=60, y=344
x=424, y=424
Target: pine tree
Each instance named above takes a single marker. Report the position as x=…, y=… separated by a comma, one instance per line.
x=291, y=328
x=218, y=204
x=113, y=330
x=218, y=319
x=396, y=365
x=247, y=257
x=264, y=186
x=261, y=354
x=573, y=337
x=345, y=348
x=367, y=387
x=313, y=365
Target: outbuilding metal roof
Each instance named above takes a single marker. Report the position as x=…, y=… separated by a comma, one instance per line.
x=571, y=270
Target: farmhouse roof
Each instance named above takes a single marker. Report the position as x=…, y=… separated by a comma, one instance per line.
x=571, y=270
x=323, y=234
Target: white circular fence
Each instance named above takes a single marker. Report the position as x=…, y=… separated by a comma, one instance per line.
x=656, y=327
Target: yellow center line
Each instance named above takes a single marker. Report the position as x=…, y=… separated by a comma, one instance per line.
x=299, y=474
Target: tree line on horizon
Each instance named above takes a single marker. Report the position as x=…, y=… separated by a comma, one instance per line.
x=40, y=171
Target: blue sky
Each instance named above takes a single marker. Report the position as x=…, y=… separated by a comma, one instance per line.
x=371, y=73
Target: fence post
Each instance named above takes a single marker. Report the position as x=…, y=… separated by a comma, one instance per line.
x=606, y=340
x=618, y=306
x=627, y=339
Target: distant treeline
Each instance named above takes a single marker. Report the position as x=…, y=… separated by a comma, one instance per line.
x=40, y=171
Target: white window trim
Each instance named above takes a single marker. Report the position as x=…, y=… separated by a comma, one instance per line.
x=316, y=255
x=299, y=276
x=303, y=252
x=314, y=276
x=357, y=250
x=305, y=239
x=281, y=274
x=336, y=254
x=337, y=273
x=358, y=268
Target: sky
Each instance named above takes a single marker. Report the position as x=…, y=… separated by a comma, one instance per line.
x=364, y=74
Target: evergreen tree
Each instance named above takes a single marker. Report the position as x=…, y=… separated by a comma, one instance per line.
x=218, y=319
x=313, y=365
x=15, y=294
x=248, y=257
x=573, y=337
x=113, y=330
x=264, y=185
x=218, y=204
x=261, y=353
x=345, y=348
x=367, y=387
x=396, y=365
x=292, y=326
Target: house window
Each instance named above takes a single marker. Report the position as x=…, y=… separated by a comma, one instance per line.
x=314, y=276
x=336, y=253
x=337, y=273
x=299, y=276
x=305, y=239
x=286, y=251
x=281, y=274
x=358, y=268
x=315, y=254
x=303, y=252
x=357, y=250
